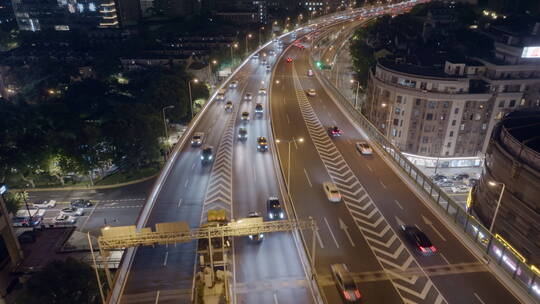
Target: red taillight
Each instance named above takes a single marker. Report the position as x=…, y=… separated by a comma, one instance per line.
x=357, y=294
x=423, y=249
x=433, y=248
x=346, y=294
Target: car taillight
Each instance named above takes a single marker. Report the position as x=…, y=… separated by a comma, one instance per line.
x=357, y=294
x=347, y=295
x=433, y=249
x=423, y=249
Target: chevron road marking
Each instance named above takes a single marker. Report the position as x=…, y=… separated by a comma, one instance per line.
x=386, y=247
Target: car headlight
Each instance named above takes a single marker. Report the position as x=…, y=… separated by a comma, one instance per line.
x=271, y=215
x=261, y=235
x=210, y=157
x=251, y=237
x=202, y=157
x=281, y=215
x=258, y=146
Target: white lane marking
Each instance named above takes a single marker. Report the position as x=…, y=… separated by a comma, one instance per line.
x=275, y=298
x=165, y=259
x=331, y=233
x=319, y=238
x=294, y=142
x=284, y=100
x=186, y=183
x=349, y=142
x=324, y=106
x=430, y=224
x=345, y=229
x=193, y=166
x=89, y=215
x=369, y=168
x=444, y=258
x=254, y=175
x=399, y=205
x=307, y=177
x=179, y=203
x=288, y=120
x=157, y=297
x=478, y=298
x=384, y=186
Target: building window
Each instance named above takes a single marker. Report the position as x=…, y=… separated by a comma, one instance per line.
x=429, y=116
x=456, y=110
x=401, y=123
x=448, y=144
x=443, y=117
x=418, y=101
x=462, y=127
x=397, y=111
x=512, y=103
x=453, y=122
x=432, y=104
x=396, y=122
x=446, y=104
x=501, y=104
x=425, y=139
x=451, y=134
x=484, y=126
x=398, y=99
x=423, y=85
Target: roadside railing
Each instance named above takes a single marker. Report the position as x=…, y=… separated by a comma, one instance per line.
x=495, y=249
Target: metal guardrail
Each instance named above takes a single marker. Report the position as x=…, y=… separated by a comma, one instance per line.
x=500, y=252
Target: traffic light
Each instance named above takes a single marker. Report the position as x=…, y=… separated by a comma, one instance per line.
x=319, y=64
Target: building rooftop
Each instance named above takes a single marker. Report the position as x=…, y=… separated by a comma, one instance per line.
x=427, y=71
x=523, y=125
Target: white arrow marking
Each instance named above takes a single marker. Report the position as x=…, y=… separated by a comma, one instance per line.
x=399, y=221
x=345, y=229
x=429, y=223
x=331, y=233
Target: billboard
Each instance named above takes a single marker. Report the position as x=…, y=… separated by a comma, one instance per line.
x=531, y=52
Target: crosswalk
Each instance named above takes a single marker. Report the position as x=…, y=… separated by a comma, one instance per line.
x=391, y=253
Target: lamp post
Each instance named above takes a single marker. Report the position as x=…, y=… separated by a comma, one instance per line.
x=300, y=140
x=190, y=97
x=384, y=105
x=260, y=29
x=356, y=95
x=493, y=184
x=235, y=45
x=248, y=36
x=165, y=121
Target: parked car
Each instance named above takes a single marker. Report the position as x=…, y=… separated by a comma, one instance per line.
x=438, y=177
x=81, y=203
x=45, y=204
x=459, y=189
x=64, y=219
x=445, y=183
x=460, y=176
x=72, y=211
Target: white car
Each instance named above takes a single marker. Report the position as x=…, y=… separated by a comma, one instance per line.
x=45, y=204
x=233, y=84
x=262, y=91
x=311, y=92
x=64, y=219
x=459, y=189
x=72, y=211
x=332, y=192
x=197, y=139
x=364, y=148
x=248, y=97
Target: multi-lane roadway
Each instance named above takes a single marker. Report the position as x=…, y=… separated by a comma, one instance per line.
x=363, y=230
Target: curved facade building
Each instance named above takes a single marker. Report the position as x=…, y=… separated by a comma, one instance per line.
x=446, y=111
x=513, y=159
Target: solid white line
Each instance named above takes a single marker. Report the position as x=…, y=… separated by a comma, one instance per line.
x=331, y=233
x=369, y=168
x=384, y=186
x=478, y=298
x=275, y=298
x=186, y=183
x=254, y=175
x=179, y=203
x=165, y=259
x=444, y=258
x=399, y=205
x=288, y=120
x=157, y=297
x=319, y=239
x=295, y=145
x=307, y=176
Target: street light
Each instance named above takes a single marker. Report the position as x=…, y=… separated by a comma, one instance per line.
x=357, y=89
x=494, y=184
x=248, y=36
x=235, y=45
x=190, y=97
x=165, y=122
x=261, y=28
x=300, y=140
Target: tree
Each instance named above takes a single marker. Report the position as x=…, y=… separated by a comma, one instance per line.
x=69, y=281
x=14, y=201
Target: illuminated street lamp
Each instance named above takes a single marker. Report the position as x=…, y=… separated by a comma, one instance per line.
x=494, y=184
x=248, y=36
x=165, y=121
x=233, y=45
x=300, y=140
x=190, y=97
x=357, y=89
